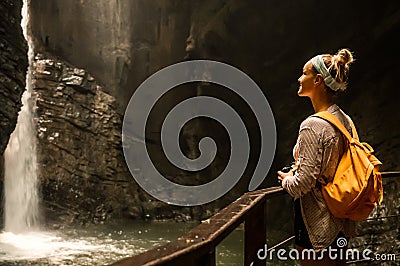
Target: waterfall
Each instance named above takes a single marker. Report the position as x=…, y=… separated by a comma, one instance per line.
x=20, y=181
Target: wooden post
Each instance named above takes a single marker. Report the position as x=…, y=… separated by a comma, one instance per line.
x=207, y=259
x=255, y=235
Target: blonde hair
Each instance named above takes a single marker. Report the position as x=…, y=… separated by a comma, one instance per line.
x=338, y=65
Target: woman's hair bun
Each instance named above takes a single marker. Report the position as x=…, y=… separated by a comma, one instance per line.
x=343, y=57
x=339, y=64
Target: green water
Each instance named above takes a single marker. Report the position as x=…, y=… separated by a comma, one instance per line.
x=89, y=245
x=105, y=244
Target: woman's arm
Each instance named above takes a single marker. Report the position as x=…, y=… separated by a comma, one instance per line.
x=310, y=150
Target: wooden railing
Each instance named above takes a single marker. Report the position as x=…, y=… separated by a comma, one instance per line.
x=198, y=246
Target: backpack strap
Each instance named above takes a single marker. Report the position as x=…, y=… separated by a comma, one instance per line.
x=336, y=122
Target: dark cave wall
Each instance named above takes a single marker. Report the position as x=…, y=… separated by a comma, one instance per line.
x=13, y=66
x=123, y=42
x=119, y=42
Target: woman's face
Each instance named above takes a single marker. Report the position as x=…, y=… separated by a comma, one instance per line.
x=306, y=81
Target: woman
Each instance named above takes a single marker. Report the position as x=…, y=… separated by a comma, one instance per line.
x=317, y=153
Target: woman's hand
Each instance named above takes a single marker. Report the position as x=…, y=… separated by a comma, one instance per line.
x=282, y=175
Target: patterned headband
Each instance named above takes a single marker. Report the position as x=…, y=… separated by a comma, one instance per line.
x=319, y=65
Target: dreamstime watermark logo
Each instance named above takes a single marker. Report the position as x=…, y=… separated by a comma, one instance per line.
x=341, y=242
x=151, y=90
x=334, y=253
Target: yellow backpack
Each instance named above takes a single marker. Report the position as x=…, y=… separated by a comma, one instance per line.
x=357, y=185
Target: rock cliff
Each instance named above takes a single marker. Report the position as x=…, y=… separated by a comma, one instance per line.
x=13, y=66
x=83, y=175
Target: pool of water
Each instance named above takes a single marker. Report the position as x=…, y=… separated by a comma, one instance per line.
x=89, y=245
x=105, y=244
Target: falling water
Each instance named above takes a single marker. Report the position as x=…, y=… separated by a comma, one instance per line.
x=20, y=182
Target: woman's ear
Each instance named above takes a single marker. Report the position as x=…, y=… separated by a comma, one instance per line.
x=318, y=79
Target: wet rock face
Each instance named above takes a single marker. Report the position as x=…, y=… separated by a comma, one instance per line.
x=13, y=66
x=83, y=175
x=79, y=145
